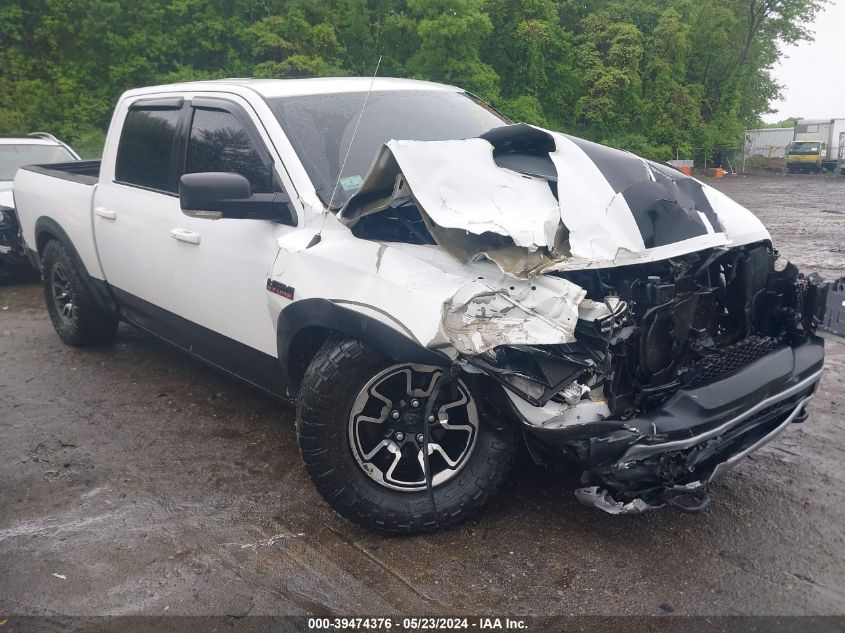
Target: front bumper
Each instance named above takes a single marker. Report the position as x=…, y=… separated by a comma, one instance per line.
x=697, y=435
x=11, y=251
x=810, y=162
x=11, y=258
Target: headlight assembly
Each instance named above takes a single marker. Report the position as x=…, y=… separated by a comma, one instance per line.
x=7, y=217
x=539, y=373
x=536, y=373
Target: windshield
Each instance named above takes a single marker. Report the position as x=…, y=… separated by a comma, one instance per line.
x=13, y=157
x=320, y=128
x=804, y=148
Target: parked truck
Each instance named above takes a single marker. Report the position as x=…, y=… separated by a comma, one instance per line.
x=816, y=145
x=433, y=286
x=840, y=165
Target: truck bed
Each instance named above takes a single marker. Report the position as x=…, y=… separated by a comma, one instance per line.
x=86, y=172
x=58, y=198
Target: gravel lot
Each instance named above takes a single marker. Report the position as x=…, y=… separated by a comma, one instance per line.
x=134, y=480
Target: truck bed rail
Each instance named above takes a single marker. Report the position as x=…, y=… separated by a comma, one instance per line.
x=86, y=172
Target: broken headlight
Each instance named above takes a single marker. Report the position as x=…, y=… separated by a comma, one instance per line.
x=536, y=373
x=539, y=373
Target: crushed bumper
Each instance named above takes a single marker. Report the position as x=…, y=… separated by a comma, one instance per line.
x=677, y=449
x=11, y=251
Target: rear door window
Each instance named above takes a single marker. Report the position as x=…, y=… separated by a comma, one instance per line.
x=146, y=148
x=221, y=141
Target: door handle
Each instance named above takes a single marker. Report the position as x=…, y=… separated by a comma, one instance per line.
x=108, y=214
x=184, y=235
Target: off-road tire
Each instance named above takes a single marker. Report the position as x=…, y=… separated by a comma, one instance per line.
x=90, y=324
x=331, y=383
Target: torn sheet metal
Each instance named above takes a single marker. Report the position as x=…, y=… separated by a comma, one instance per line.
x=408, y=286
x=602, y=500
x=533, y=200
x=478, y=318
x=467, y=191
x=559, y=415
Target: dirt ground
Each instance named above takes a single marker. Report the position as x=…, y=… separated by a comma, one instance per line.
x=134, y=480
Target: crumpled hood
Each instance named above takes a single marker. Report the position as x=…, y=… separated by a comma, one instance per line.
x=534, y=200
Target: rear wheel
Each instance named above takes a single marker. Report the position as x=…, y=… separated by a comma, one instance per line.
x=360, y=424
x=77, y=317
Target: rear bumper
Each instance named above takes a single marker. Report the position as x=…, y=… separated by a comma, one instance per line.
x=695, y=436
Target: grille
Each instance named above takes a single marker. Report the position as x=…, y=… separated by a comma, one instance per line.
x=727, y=360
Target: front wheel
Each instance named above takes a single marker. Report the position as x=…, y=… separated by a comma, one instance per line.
x=360, y=425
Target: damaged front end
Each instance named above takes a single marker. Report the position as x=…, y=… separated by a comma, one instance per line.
x=640, y=328
x=695, y=362
x=12, y=252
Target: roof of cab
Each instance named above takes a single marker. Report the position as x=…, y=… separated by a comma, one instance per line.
x=297, y=87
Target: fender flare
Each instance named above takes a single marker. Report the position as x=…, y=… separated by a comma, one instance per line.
x=328, y=315
x=47, y=228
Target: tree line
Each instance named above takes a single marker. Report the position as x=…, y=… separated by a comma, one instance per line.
x=652, y=76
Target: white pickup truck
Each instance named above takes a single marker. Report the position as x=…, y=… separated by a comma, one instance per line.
x=433, y=286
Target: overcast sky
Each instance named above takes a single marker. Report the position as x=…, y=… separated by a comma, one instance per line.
x=813, y=73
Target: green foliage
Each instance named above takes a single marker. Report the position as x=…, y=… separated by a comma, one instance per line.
x=89, y=143
x=297, y=43
x=448, y=34
x=524, y=109
x=653, y=77
x=788, y=122
x=610, y=57
x=534, y=55
x=640, y=145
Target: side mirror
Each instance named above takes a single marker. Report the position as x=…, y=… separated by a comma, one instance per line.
x=214, y=195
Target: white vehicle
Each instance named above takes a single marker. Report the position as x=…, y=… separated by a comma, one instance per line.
x=38, y=147
x=433, y=286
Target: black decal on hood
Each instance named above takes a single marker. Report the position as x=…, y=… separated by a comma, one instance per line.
x=524, y=149
x=664, y=202
x=668, y=209
x=621, y=169
x=690, y=193
x=450, y=192
x=659, y=216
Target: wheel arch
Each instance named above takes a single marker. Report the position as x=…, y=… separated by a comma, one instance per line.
x=47, y=230
x=303, y=327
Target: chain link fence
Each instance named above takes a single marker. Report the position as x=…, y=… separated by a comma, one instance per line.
x=712, y=161
x=765, y=150
x=763, y=153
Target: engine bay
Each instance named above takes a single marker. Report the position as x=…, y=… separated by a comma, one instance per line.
x=647, y=331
